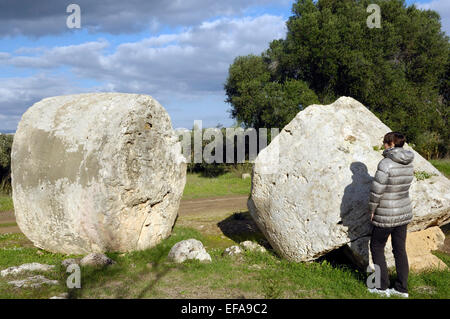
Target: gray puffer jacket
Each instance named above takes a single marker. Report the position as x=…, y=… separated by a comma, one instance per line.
x=389, y=191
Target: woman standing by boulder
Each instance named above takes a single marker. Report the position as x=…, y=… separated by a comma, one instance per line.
x=391, y=211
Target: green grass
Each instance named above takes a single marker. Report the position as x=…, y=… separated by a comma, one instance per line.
x=224, y=277
x=421, y=175
x=443, y=165
x=6, y=203
x=198, y=186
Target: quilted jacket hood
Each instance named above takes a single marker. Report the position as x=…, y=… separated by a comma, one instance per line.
x=399, y=155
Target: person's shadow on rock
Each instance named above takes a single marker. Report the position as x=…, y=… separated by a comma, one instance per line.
x=355, y=212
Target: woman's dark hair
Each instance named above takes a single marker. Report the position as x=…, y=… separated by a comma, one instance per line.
x=394, y=137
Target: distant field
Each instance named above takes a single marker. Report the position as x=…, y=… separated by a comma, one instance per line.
x=198, y=186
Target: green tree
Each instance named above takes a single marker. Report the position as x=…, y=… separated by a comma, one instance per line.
x=259, y=101
x=5, y=162
x=399, y=71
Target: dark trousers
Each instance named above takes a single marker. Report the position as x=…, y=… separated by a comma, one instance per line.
x=377, y=244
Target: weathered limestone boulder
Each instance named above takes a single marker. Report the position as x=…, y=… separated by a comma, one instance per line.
x=310, y=185
x=188, y=249
x=96, y=172
x=419, y=245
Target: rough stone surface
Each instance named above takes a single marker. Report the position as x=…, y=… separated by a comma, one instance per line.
x=67, y=262
x=96, y=172
x=419, y=245
x=232, y=251
x=17, y=270
x=96, y=259
x=310, y=185
x=188, y=249
x=252, y=246
x=33, y=282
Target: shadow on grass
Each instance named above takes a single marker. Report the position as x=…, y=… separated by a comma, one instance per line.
x=240, y=227
x=132, y=269
x=95, y=277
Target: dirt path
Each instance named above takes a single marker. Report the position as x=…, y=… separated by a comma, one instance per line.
x=8, y=223
x=215, y=205
x=212, y=206
x=211, y=215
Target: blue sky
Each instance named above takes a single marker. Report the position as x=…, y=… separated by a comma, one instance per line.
x=176, y=51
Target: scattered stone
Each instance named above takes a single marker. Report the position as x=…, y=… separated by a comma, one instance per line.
x=33, y=282
x=188, y=249
x=67, y=262
x=311, y=184
x=252, y=246
x=255, y=267
x=232, y=251
x=17, y=270
x=96, y=172
x=96, y=259
x=246, y=175
x=64, y=295
x=40, y=252
x=425, y=289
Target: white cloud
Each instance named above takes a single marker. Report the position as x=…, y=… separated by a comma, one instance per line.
x=186, y=66
x=39, y=18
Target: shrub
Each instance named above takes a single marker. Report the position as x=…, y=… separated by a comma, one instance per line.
x=421, y=175
x=5, y=162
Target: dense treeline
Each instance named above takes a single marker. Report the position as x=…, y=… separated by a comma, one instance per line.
x=215, y=158
x=5, y=163
x=399, y=71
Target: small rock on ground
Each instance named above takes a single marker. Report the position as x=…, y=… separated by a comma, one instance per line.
x=64, y=295
x=33, y=282
x=252, y=246
x=16, y=270
x=67, y=262
x=188, y=249
x=96, y=259
x=232, y=250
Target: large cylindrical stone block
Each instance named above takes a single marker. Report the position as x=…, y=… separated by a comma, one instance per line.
x=96, y=172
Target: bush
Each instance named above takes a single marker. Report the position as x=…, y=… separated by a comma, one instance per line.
x=428, y=144
x=215, y=169
x=5, y=162
x=421, y=175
